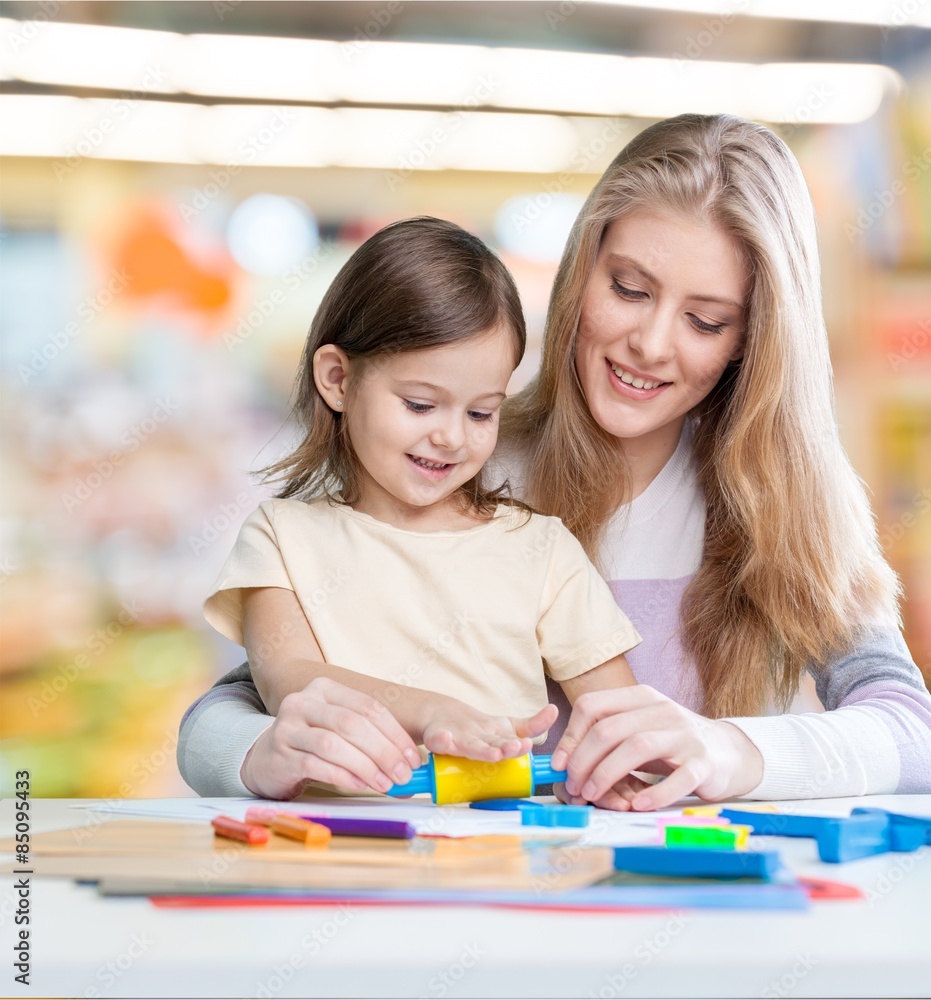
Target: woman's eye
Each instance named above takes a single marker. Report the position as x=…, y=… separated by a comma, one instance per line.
x=417, y=407
x=628, y=293
x=706, y=327
x=479, y=415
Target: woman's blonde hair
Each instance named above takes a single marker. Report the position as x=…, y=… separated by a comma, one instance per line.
x=791, y=569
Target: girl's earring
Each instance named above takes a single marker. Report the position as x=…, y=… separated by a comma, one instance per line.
x=339, y=402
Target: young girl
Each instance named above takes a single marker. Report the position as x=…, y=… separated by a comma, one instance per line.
x=386, y=562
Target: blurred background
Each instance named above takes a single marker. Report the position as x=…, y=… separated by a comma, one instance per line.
x=181, y=182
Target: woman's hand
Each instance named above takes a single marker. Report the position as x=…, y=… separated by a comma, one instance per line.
x=329, y=732
x=618, y=797
x=611, y=733
x=456, y=728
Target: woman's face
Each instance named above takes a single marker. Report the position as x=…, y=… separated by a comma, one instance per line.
x=663, y=314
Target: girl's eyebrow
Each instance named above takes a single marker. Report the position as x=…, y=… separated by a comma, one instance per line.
x=620, y=260
x=439, y=389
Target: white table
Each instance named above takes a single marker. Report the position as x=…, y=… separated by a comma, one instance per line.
x=86, y=945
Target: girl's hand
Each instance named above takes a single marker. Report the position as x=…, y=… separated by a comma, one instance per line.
x=611, y=733
x=329, y=732
x=456, y=728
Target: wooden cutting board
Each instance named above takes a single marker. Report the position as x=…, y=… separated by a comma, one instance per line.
x=192, y=854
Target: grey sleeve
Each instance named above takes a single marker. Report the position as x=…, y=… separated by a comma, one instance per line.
x=217, y=732
x=874, y=737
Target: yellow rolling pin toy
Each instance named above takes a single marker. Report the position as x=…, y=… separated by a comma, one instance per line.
x=458, y=779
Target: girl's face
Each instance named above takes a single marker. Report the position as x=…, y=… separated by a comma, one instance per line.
x=663, y=314
x=423, y=423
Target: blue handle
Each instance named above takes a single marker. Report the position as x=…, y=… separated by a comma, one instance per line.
x=421, y=781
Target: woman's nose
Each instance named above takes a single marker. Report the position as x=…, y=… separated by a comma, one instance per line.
x=652, y=338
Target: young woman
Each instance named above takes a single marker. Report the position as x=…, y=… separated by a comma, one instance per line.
x=682, y=427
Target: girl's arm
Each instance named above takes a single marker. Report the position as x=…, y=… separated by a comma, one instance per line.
x=615, y=673
x=285, y=657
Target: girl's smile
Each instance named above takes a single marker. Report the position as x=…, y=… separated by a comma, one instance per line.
x=435, y=471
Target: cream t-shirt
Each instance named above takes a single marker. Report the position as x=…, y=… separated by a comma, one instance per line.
x=479, y=614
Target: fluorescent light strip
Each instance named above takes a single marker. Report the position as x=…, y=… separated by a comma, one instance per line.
x=882, y=13
x=459, y=76
x=71, y=129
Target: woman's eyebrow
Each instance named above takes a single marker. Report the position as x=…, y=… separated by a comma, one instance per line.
x=624, y=261
x=621, y=260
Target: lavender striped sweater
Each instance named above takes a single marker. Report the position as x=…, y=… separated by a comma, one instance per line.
x=874, y=737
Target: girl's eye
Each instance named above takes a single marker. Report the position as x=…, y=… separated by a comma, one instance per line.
x=627, y=293
x=706, y=327
x=478, y=415
x=417, y=407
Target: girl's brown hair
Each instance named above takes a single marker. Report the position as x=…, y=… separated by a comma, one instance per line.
x=414, y=285
x=791, y=569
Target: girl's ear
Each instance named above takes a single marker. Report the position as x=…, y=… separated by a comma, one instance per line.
x=331, y=375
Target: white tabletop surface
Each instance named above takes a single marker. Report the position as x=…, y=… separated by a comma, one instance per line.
x=86, y=945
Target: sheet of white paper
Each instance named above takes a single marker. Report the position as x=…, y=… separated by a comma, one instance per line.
x=605, y=828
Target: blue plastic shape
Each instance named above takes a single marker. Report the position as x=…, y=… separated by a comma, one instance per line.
x=695, y=862
x=554, y=815
x=908, y=833
x=841, y=840
x=776, y=824
x=864, y=833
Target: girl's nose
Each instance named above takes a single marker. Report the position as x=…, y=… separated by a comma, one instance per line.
x=448, y=433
